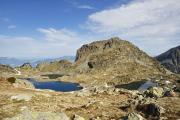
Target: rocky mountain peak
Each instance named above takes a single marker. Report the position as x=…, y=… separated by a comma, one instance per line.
x=118, y=58
x=26, y=66
x=99, y=46
x=171, y=59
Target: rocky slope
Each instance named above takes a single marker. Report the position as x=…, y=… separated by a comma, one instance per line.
x=5, y=69
x=92, y=103
x=69, y=58
x=171, y=59
x=116, y=60
x=61, y=66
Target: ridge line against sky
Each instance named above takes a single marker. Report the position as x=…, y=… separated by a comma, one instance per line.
x=37, y=29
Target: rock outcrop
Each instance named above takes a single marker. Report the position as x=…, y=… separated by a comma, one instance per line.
x=62, y=65
x=171, y=59
x=151, y=110
x=156, y=92
x=4, y=83
x=116, y=60
x=26, y=66
x=21, y=97
x=6, y=69
x=20, y=83
x=134, y=116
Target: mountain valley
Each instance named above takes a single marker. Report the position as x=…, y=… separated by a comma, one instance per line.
x=110, y=72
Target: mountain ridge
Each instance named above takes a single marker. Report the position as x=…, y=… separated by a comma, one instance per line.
x=15, y=62
x=171, y=59
x=117, y=61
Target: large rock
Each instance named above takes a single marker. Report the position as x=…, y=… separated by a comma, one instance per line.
x=29, y=115
x=171, y=59
x=23, y=84
x=21, y=97
x=177, y=86
x=134, y=116
x=11, y=79
x=155, y=92
x=170, y=93
x=151, y=110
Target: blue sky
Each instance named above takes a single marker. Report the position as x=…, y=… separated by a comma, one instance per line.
x=28, y=15
x=53, y=28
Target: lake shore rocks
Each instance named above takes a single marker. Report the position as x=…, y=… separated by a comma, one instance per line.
x=170, y=93
x=21, y=83
x=155, y=92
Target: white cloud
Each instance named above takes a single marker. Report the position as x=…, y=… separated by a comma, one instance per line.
x=11, y=27
x=54, y=43
x=86, y=7
x=78, y=5
x=62, y=36
x=148, y=23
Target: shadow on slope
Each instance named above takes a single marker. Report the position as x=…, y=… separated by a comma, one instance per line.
x=132, y=85
x=53, y=76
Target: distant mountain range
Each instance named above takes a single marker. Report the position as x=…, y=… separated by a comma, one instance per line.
x=14, y=62
x=171, y=59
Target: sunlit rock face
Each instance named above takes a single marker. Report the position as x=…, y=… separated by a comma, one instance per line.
x=116, y=60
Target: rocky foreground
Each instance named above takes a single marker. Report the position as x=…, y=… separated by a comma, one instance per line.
x=110, y=72
x=94, y=102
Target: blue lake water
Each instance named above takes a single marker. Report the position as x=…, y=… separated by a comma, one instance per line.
x=147, y=85
x=56, y=85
